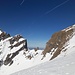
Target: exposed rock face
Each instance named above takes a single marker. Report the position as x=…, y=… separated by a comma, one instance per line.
x=4, y=35
x=10, y=47
x=56, y=44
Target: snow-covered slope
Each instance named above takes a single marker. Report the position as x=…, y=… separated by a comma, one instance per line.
x=10, y=48
x=58, y=66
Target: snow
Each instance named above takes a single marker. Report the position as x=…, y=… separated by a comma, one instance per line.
x=5, y=40
x=16, y=48
x=20, y=62
x=21, y=39
x=64, y=64
x=69, y=28
x=58, y=66
x=4, y=49
x=70, y=46
x=0, y=32
x=72, y=41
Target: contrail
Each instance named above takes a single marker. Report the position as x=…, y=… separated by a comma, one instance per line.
x=56, y=7
x=22, y=2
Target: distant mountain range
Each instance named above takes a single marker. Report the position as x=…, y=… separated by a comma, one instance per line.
x=35, y=47
x=15, y=54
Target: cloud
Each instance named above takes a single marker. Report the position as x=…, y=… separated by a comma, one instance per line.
x=56, y=7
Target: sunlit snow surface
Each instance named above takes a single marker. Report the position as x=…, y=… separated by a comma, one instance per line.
x=59, y=66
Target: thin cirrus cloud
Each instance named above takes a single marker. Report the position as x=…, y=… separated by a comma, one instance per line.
x=56, y=7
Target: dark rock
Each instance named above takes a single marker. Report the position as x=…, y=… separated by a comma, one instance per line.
x=4, y=36
x=1, y=63
x=29, y=57
x=11, y=63
x=36, y=49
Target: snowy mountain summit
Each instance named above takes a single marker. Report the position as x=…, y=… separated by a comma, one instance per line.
x=10, y=47
x=14, y=53
x=15, y=56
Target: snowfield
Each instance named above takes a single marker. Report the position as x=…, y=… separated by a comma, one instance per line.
x=59, y=66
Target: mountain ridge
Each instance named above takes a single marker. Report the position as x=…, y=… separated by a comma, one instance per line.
x=15, y=53
x=56, y=44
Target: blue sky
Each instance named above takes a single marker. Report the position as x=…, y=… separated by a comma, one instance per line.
x=36, y=20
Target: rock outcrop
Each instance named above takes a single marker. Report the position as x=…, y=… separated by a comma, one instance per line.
x=3, y=35
x=56, y=44
x=10, y=47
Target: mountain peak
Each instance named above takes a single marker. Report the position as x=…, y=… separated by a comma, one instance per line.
x=58, y=41
x=69, y=28
x=10, y=47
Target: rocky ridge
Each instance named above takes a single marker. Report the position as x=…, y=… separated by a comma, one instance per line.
x=10, y=47
x=58, y=42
